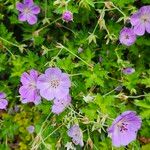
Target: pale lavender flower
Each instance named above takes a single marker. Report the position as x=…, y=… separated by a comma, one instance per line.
x=128, y=70
x=141, y=20
x=67, y=16
x=28, y=11
x=60, y=104
x=124, y=128
x=127, y=36
x=53, y=84
x=3, y=101
x=80, y=50
x=28, y=90
x=76, y=134
x=30, y=129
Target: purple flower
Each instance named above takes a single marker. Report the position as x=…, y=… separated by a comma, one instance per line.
x=76, y=134
x=53, y=84
x=67, y=16
x=3, y=101
x=128, y=70
x=60, y=104
x=119, y=88
x=124, y=128
x=100, y=59
x=28, y=11
x=127, y=36
x=30, y=129
x=141, y=20
x=28, y=90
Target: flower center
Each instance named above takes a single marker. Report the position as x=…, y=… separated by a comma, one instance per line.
x=127, y=37
x=123, y=127
x=33, y=85
x=27, y=10
x=144, y=18
x=54, y=83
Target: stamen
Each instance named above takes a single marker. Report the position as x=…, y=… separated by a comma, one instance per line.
x=54, y=83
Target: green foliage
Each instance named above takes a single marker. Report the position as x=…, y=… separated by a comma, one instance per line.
x=51, y=42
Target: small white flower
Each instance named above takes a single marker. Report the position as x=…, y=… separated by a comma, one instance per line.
x=88, y=98
x=70, y=146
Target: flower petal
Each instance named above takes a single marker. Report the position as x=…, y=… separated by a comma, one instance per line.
x=31, y=19
x=53, y=71
x=139, y=29
x=25, y=78
x=135, y=19
x=34, y=75
x=42, y=82
x=61, y=92
x=3, y=103
x=47, y=94
x=28, y=2
x=57, y=109
x=20, y=6
x=65, y=81
x=35, y=9
x=147, y=26
x=22, y=17
x=2, y=95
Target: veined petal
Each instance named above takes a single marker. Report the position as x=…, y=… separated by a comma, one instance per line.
x=135, y=19
x=31, y=19
x=22, y=17
x=61, y=92
x=35, y=9
x=25, y=78
x=53, y=71
x=28, y=2
x=139, y=29
x=47, y=94
x=20, y=6
x=147, y=26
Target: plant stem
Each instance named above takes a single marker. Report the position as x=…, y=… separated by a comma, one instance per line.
x=39, y=30
x=9, y=42
x=75, y=55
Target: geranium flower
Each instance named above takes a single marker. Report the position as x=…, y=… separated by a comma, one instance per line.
x=67, y=16
x=124, y=128
x=76, y=134
x=127, y=36
x=28, y=90
x=53, y=84
x=30, y=129
x=28, y=11
x=141, y=20
x=128, y=70
x=60, y=104
x=3, y=101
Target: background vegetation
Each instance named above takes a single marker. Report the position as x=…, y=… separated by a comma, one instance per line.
x=89, y=51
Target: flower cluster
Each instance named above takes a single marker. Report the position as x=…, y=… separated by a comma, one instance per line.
x=52, y=85
x=140, y=22
x=124, y=128
x=76, y=134
x=3, y=101
x=29, y=11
